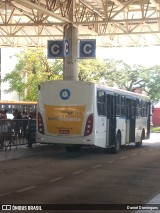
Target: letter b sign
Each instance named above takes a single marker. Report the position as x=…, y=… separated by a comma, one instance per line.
x=87, y=48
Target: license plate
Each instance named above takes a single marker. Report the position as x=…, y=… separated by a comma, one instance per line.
x=64, y=131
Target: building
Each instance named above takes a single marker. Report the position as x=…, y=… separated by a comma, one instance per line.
x=156, y=115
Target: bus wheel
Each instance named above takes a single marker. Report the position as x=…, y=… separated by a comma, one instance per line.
x=117, y=147
x=138, y=144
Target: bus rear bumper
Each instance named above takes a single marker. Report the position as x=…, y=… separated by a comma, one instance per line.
x=64, y=140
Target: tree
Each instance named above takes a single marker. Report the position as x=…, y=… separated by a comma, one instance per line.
x=91, y=70
x=31, y=69
x=113, y=73
x=153, y=83
x=134, y=77
x=121, y=75
x=15, y=83
x=125, y=76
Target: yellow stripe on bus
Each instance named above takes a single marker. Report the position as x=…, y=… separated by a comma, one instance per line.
x=64, y=119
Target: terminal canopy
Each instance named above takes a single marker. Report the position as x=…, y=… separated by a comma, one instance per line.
x=113, y=23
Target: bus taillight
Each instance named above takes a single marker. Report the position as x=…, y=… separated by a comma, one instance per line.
x=40, y=124
x=89, y=125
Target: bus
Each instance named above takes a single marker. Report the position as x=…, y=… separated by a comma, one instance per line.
x=77, y=113
x=11, y=106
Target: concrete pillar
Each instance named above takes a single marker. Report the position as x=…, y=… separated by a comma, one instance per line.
x=70, y=63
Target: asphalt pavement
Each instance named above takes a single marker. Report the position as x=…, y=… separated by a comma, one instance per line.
x=23, y=151
x=155, y=201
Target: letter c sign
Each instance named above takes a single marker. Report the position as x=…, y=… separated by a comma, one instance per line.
x=55, y=49
x=66, y=48
x=87, y=48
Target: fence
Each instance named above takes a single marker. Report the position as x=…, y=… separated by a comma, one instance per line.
x=17, y=132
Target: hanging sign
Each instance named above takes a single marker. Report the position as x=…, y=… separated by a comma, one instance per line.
x=87, y=48
x=58, y=49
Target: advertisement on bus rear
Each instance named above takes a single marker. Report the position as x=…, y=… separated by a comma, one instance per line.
x=64, y=120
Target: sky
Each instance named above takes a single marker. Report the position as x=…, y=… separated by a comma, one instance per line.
x=8, y=62
x=148, y=56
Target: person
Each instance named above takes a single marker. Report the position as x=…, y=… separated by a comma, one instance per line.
x=25, y=123
x=4, y=128
x=15, y=112
x=1, y=133
x=32, y=117
x=24, y=115
x=4, y=123
x=17, y=116
x=4, y=114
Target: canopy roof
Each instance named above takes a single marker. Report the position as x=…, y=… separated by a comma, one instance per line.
x=114, y=23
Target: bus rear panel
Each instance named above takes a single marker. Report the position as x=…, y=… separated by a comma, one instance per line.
x=65, y=113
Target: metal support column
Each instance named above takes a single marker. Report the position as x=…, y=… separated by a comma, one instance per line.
x=70, y=63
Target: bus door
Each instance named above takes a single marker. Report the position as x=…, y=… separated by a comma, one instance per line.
x=150, y=110
x=102, y=119
x=111, y=117
x=132, y=120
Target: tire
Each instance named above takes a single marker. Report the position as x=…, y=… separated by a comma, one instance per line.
x=117, y=147
x=139, y=144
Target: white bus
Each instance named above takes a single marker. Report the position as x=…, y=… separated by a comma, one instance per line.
x=77, y=113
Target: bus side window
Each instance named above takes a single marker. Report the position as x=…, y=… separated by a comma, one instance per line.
x=122, y=105
x=101, y=103
x=133, y=108
x=109, y=107
x=144, y=109
x=118, y=105
x=138, y=107
x=127, y=113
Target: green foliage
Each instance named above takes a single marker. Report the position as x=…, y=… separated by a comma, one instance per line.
x=33, y=67
x=153, y=83
x=121, y=75
x=91, y=69
x=16, y=83
x=155, y=129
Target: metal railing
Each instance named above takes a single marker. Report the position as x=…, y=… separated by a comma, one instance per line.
x=17, y=132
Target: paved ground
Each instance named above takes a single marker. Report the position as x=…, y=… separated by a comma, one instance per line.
x=155, y=137
x=77, y=171
x=23, y=150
